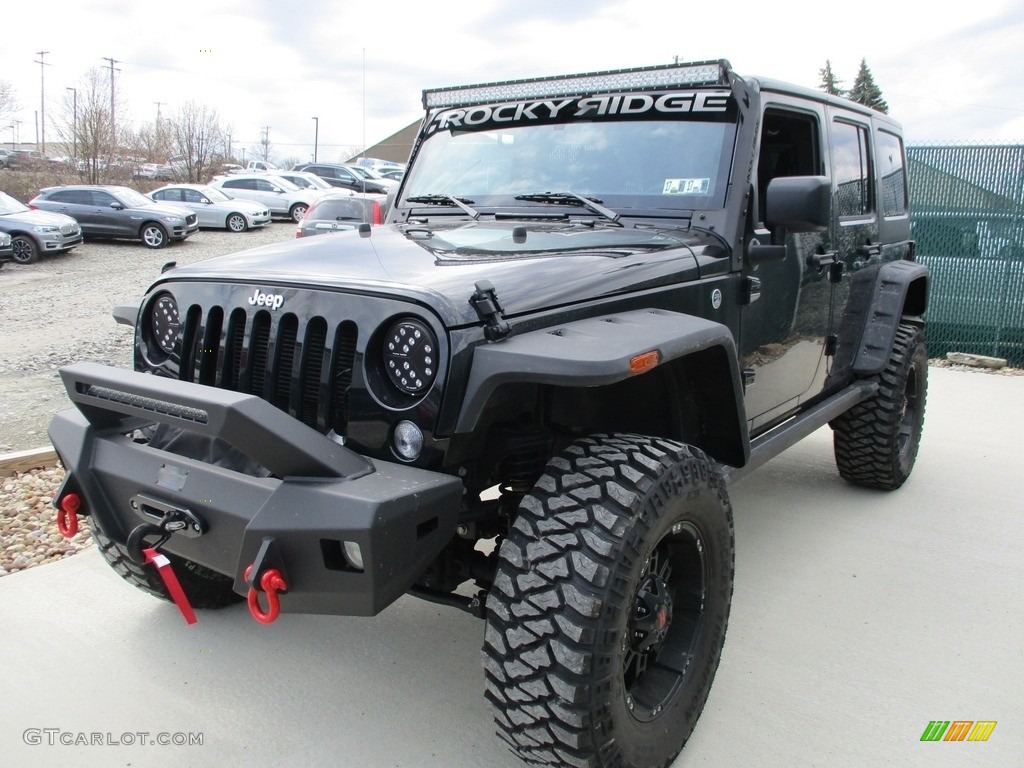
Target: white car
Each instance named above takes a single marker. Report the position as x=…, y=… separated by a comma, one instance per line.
x=214, y=208
x=283, y=198
x=305, y=180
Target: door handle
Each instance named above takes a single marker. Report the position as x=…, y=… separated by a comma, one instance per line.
x=870, y=250
x=819, y=260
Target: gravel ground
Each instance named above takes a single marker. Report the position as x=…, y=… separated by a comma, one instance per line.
x=58, y=311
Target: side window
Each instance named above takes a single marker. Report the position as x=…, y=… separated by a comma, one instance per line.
x=102, y=199
x=345, y=175
x=790, y=146
x=891, y=175
x=264, y=186
x=851, y=169
x=64, y=196
x=193, y=196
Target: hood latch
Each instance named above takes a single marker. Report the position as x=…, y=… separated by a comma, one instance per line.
x=485, y=302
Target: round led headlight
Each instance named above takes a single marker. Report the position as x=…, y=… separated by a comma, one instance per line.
x=164, y=322
x=410, y=356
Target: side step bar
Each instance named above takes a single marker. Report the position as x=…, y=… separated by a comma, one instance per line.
x=785, y=435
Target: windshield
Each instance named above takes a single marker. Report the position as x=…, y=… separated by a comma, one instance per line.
x=213, y=194
x=9, y=205
x=131, y=198
x=283, y=183
x=310, y=182
x=657, y=163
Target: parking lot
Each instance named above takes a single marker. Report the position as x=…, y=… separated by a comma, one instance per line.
x=858, y=618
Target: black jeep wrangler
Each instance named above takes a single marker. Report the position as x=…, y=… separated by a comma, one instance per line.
x=598, y=300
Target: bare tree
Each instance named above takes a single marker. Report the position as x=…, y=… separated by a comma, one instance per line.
x=8, y=104
x=88, y=125
x=196, y=138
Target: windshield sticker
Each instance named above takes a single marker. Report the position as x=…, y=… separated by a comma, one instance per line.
x=621, y=106
x=687, y=187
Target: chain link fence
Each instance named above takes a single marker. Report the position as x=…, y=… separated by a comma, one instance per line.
x=968, y=221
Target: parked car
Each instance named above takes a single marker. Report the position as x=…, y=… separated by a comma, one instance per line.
x=157, y=171
x=231, y=168
x=392, y=172
x=27, y=160
x=338, y=211
x=283, y=198
x=36, y=232
x=305, y=180
x=369, y=174
x=5, y=157
x=343, y=176
x=213, y=207
x=6, y=251
x=119, y=212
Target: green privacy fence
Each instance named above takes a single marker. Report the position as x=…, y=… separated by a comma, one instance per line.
x=968, y=221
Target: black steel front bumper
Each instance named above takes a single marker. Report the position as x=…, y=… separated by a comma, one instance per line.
x=318, y=498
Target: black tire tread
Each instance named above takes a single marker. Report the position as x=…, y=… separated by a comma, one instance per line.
x=547, y=640
x=866, y=437
x=204, y=588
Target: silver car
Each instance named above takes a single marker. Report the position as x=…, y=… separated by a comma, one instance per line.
x=281, y=196
x=214, y=208
x=36, y=232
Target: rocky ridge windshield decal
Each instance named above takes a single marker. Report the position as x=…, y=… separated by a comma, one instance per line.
x=618, y=106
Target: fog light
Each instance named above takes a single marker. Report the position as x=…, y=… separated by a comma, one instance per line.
x=408, y=440
x=354, y=554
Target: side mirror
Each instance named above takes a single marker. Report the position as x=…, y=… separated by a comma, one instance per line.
x=206, y=200
x=278, y=190
x=117, y=206
x=799, y=203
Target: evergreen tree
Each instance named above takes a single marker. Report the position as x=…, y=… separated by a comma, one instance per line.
x=865, y=91
x=829, y=82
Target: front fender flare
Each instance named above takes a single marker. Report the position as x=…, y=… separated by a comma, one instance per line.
x=596, y=352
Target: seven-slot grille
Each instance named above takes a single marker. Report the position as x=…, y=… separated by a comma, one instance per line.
x=303, y=366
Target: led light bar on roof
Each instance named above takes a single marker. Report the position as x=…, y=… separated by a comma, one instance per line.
x=668, y=76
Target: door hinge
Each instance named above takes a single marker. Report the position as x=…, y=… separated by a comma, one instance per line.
x=751, y=290
x=747, y=376
x=831, y=344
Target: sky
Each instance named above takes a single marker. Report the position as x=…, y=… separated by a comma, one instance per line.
x=360, y=68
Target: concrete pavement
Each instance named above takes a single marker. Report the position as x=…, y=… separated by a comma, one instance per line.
x=858, y=618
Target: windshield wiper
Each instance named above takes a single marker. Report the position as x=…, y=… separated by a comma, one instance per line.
x=446, y=200
x=573, y=199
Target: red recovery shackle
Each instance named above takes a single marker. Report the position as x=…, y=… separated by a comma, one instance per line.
x=67, y=514
x=271, y=582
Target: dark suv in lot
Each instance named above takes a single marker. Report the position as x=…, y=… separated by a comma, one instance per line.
x=345, y=178
x=597, y=301
x=119, y=212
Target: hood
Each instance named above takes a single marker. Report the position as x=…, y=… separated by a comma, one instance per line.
x=37, y=218
x=553, y=265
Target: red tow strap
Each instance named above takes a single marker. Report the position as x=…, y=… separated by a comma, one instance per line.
x=163, y=567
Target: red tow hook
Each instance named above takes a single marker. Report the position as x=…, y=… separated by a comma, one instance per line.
x=270, y=582
x=67, y=514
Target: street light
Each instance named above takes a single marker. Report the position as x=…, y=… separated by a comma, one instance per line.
x=74, y=131
x=316, y=136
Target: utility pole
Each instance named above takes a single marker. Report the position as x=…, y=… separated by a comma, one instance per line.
x=113, y=124
x=266, y=142
x=316, y=136
x=74, y=130
x=158, y=105
x=42, y=95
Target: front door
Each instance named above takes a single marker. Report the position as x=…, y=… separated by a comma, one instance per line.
x=784, y=329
